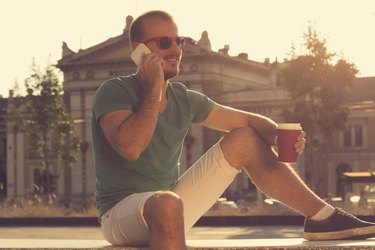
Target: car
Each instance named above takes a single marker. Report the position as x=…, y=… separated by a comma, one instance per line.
x=223, y=205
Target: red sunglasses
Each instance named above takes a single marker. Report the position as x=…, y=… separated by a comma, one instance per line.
x=165, y=42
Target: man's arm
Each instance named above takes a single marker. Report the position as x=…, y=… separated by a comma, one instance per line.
x=130, y=133
x=224, y=118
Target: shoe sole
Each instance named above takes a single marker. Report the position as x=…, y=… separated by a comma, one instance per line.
x=349, y=234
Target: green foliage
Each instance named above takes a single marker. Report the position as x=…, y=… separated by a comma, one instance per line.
x=318, y=84
x=43, y=118
x=318, y=87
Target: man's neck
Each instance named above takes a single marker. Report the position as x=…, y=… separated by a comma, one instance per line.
x=164, y=98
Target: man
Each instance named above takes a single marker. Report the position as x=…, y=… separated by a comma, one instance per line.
x=138, y=127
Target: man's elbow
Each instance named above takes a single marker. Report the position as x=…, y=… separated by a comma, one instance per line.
x=130, y=153
x=272, y=135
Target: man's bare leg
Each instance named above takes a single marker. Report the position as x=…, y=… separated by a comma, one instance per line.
x=244, y=148
x=164, y=214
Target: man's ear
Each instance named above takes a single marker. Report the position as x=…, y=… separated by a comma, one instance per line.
x=134, y=45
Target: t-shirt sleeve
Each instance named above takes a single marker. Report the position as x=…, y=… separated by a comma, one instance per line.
x=201, y=106
x=111, y=96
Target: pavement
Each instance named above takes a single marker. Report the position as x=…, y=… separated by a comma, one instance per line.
x=202, y=238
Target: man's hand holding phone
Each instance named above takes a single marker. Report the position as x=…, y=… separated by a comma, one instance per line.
x=150, y=69
x=137, y=54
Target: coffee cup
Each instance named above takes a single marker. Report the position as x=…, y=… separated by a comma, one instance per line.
x=287, y=134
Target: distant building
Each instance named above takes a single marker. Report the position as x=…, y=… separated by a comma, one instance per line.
x=353, y=150
x=236, y=81
x=3, y=147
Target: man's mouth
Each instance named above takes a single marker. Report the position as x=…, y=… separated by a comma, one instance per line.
x=172, y=58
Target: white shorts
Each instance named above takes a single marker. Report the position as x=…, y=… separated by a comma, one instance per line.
x=199, y=188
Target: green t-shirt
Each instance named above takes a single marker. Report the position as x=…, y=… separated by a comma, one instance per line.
x=158, y=166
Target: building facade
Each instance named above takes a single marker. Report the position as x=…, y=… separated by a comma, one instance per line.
x=353, y=150
x=235, y=81
x=230, y=80
x=3, y=148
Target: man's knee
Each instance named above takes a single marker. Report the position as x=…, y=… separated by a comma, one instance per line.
x=241, y=138
x=243, y=146
x=162, y=206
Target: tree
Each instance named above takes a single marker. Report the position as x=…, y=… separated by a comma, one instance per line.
x=318, y=84
x=41, y=115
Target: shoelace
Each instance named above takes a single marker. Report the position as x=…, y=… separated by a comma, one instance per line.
x=342, y=212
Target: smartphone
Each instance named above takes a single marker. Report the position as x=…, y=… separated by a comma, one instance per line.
x=137, y=54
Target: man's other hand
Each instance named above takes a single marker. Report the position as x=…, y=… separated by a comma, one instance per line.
x=300, y=144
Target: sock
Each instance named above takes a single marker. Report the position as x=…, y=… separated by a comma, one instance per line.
x=324, y=213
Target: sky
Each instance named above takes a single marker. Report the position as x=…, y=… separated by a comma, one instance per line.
x=35, y=29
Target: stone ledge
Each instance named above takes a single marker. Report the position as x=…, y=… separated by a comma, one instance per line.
x=251, y=220
x=213, y=244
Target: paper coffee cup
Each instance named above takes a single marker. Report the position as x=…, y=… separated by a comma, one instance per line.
x=287, y=134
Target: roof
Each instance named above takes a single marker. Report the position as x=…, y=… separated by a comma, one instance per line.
x=351, y=177
x=359, y=174
x=3, y=103
x=82, y=54
x=363, y=89
x=94, y=54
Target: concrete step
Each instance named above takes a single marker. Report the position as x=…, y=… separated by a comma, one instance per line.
x=201, y=244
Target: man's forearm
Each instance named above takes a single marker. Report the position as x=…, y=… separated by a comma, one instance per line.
x=136, y=131
x=265, y=127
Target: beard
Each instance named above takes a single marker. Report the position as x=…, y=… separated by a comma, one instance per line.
x=172, y=67
x=170, y=73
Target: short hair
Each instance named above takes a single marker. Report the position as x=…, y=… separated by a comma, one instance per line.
x=136, y=32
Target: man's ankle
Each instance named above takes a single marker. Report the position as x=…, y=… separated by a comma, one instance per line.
x=323, y=213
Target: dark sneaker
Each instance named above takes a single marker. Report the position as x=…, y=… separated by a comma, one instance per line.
x=340, y=225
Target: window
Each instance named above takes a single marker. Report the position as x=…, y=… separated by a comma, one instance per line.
x=3, y=147
x=358, y=135
x=347, y=138
x=353, y=136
